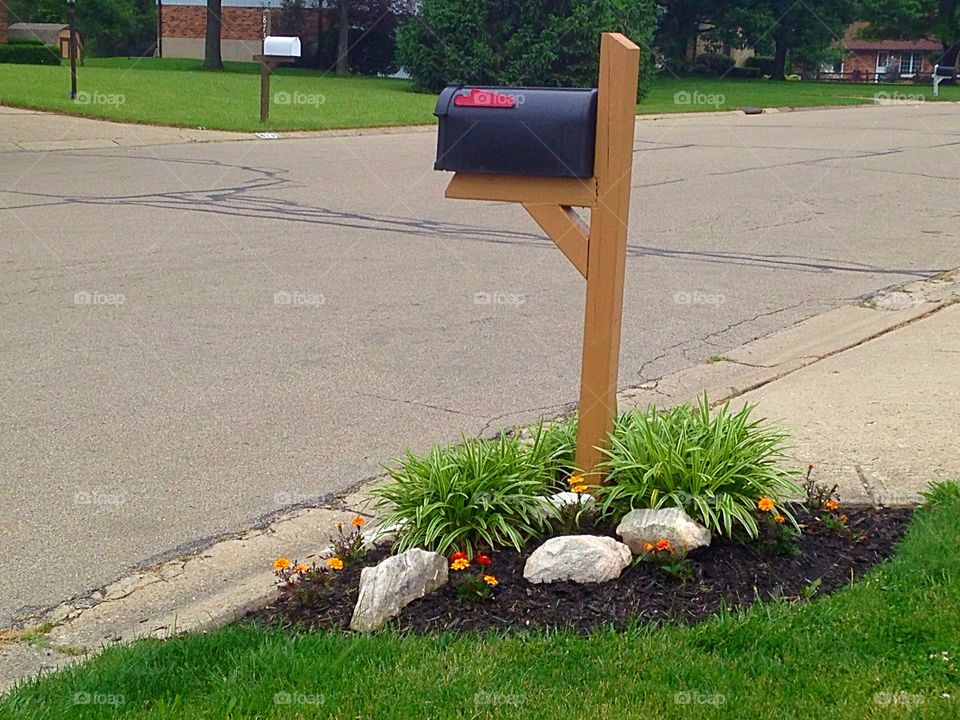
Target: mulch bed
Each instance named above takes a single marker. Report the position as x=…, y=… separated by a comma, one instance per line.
x=725, y=575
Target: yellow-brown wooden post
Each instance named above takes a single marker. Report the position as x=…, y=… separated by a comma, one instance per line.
x=599, y=252
x=607, y=248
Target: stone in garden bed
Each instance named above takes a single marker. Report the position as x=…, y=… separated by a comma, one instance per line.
x=639, y=527
x=577, y=558
x=387, y=588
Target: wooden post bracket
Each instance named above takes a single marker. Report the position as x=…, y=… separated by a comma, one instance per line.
x=597, y=251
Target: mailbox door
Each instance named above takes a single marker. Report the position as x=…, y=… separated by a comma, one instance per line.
x=542, y=132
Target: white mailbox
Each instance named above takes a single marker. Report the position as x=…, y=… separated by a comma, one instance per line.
x=281, y=46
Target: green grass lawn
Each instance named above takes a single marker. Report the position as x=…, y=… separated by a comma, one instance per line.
x=886, y=647
x=179, y=92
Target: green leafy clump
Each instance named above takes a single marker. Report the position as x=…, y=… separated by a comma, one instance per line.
x=715, y=466
x=530, y=43
x=554, y=448
x=489, y=493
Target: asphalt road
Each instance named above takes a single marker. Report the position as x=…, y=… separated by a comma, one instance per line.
x=195, y=335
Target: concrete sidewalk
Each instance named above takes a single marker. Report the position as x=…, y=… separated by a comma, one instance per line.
x=870, y=393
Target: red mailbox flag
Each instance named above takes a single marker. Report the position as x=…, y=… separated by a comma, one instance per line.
x=476, y=97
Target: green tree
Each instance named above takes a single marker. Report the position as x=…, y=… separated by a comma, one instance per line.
x=109, y=27
x=681, y=24
x=519, y=42
x=937, y=20
x=787, y=25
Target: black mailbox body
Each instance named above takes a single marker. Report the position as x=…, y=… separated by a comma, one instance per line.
x=945, y=71
x=542, y=132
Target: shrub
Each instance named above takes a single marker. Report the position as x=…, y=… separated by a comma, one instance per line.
x=25, y=41
x=715, y=63
x=371, y=51
x=554, y=449
x=766, y=65
x=481, y=492
x=677, y=66
x=715, y=467
x=28, y=54
x=548, y=43
x=745, y=73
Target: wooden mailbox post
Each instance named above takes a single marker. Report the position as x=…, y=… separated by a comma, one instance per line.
x=598, y=251
x=269, y=63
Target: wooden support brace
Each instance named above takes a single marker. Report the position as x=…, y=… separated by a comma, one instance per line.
x=562, y=225
x=511, y=188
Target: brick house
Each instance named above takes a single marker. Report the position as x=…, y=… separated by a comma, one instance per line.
x=4, y=21
x=184, y=24
x=882, y=60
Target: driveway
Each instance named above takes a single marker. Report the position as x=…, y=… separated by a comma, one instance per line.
x=196, y=335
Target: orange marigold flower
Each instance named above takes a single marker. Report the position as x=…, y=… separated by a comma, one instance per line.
x=281, y=563
x=458, y=555
x=843, y=518
x=491, y=580
x=483, y=559
x=335, y=563
x=663, y=544
x=766, y=504
x=647, y=547
x=300, y=568
x=579, y=488
x=832, y=505
x=778, y=518
x=576, y=480
x=358, y=521
x=460, y=564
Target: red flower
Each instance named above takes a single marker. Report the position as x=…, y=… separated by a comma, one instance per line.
x=458, y=555
x=483, y=559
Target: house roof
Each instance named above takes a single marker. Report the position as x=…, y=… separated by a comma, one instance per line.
x=47, y=33
x=852, y=41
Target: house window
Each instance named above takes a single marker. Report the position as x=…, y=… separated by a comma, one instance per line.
x=910, y=63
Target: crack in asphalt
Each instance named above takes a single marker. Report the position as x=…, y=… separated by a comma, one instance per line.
x=414, y=403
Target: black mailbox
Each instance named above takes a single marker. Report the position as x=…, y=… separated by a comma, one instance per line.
x=542, y=132
x=945, y=71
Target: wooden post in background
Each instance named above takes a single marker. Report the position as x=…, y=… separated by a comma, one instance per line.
x=607, y=248
x=266, y=70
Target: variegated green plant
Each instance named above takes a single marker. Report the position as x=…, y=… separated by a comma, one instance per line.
x=716, y=466
x=490, y=493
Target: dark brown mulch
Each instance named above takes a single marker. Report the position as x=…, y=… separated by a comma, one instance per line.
x=726, y=575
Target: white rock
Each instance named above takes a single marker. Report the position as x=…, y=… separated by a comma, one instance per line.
x=562, y=499
x=390, y=586
x=578, y=558
x=648, y=526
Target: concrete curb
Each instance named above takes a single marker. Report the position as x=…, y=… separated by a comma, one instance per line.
x=218, y=584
